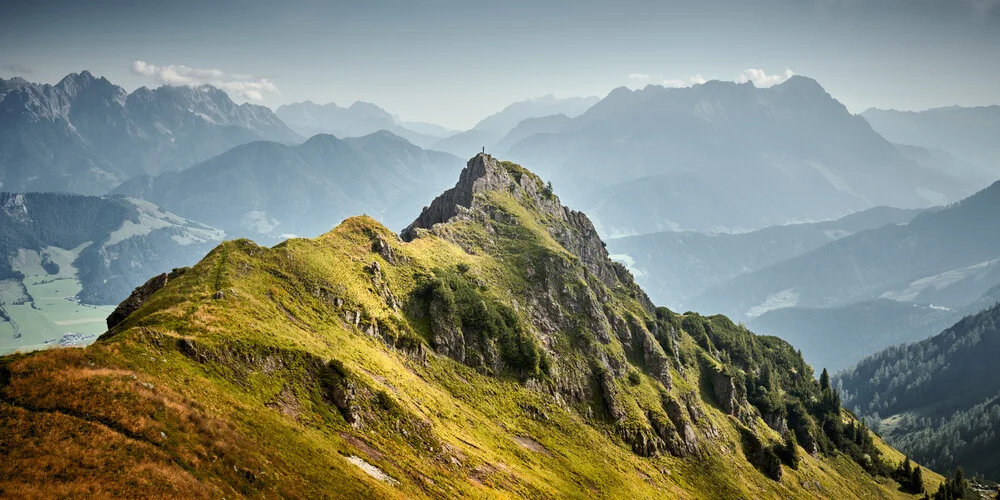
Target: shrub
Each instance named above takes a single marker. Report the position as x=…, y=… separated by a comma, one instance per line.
x=481, y=318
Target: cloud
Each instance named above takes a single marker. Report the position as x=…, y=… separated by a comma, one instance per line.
x=680, y=83
x=761, y=79
x=17, y=69
x=245, y=86
x=638, y=76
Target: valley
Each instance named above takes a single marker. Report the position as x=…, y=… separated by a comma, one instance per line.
x=42, y=309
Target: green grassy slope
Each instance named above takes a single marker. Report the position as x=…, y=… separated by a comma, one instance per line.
x=315, y=369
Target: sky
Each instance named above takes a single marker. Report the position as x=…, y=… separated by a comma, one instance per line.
x=455, y=62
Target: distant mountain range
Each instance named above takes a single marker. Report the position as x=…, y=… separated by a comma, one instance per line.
x=907, y=280
x=359, y=119
x=967, y=133
x=937, y=400
x=933, y=257
x=270, y=190
x=87, y=135
x=676, y=266
x=491, y=131
x=727, y=156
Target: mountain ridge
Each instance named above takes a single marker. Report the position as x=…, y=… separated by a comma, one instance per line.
x=498, y=352
x=790, y=151
x=322, y=179
x=966, y=132
x=86, y=135
x=359, y=119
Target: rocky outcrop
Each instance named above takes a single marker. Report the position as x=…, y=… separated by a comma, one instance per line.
x=446, y=335
x=656, y=361
x=481, y=173
x=685, y=442
x=572, y=229
x=731, y=396
x=776, y=421
x=610, y=396
x=140, y=295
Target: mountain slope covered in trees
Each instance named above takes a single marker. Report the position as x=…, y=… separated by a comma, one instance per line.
x=122, y=241
x=939, y=399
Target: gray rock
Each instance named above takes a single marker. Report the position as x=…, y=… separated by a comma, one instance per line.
x=136, y=299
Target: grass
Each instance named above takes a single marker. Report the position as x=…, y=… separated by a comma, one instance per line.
x=268, y=390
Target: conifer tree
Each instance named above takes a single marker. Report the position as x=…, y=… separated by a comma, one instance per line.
x=917, y=480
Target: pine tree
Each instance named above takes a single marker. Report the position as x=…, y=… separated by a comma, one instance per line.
x=917, y=480
x=824, y=381
x=789, y=450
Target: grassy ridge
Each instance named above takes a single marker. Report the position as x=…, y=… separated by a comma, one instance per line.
x=276, y=371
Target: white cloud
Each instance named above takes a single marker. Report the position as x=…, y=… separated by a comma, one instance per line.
x=760, y=78
x=638, y=76
x=245, y=86
x=680, y=83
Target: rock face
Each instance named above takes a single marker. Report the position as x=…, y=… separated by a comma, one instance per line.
x=481, y=173
x=572, y=229
x=565, y=291
x=731, y=396
x=140, y=295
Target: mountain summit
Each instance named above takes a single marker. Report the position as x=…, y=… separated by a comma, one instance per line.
x=727, y=157
x=496, y=351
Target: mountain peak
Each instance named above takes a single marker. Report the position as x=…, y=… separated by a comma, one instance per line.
x=491, y=191
x=75, y=81
x=481, y=173
x=802, y=83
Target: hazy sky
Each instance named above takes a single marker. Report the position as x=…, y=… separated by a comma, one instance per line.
x=453, y=62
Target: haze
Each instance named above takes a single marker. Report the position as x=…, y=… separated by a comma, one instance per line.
x=453, y=63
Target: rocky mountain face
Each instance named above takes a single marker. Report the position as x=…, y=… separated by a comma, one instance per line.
x=266, y=189
x=491, y=131
x=723, y=156
x=968, y=133
x=674, y=267
x=357, y=120
x=943, y=260
x=118, y=242
x=87, y=135
x=493, y=350
x=937, y=399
